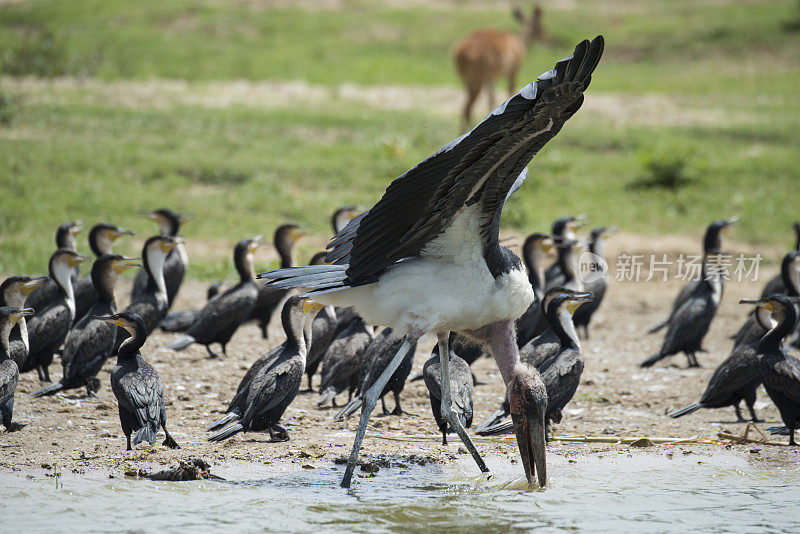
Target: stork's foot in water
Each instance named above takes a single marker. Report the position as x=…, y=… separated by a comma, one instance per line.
x=277, y=433
x=370, y=401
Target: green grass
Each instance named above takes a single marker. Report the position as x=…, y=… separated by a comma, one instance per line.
x=730, y=68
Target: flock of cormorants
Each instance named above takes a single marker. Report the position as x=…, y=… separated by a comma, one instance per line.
x=426, y=258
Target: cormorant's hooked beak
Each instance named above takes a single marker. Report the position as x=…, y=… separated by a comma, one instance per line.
x=120, y=267
x=295, y=234
x=168, y=244
x=578, y=221
x=73, y=260
x=24, y=312
x=529, y=430
x=26, y=288
x=730, y=222
x=761, y=303
x=311, y=306
x=577, y=299
x=110, y=319
x=611, y=230
x=76, y=227
x=548, y=243
x=256, y=242
x=116, y=233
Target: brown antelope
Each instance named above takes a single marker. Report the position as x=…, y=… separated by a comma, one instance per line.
x=486, y=55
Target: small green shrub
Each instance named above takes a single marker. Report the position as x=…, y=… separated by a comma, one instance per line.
x=670, y=167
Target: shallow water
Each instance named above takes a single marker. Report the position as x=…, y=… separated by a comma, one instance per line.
x=640, y=492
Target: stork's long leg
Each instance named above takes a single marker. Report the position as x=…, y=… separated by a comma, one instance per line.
x=370, y=400
x=447, y=411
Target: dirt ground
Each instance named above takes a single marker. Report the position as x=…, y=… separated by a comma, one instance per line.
x=615, y=398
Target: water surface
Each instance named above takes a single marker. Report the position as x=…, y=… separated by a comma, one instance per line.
x=615, y=493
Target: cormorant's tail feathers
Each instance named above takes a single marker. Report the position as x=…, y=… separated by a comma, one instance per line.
x=222, y=421
x=651, y=360
x=685, y=410
x=326, y=396
x=48, y=390
x=146, y=433
x=179, y=321
x=225, y=433
x=181, y=343
x=500, y=428
x=488, y=424
x=658, y=327
x=779, y=430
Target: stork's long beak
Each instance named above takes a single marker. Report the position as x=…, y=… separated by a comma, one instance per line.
x=32, y=285
x=530, y=440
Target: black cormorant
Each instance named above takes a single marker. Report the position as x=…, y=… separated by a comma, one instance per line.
x=776, y=286
x=49, y=327
x=169, y=224
x=240, y=400
x=221, y=317
x=65, y=239
x=779, y=371
x=13, y=292
x=712, y=244
x=275, y=385
x=151, y=303
x=534, y=252
x=137, y=386
x=559, y=361
x=690, y=322
x=596, y=281
x=736, y=378
x=269, y=298
x=342, y=362
x=563, y=229
x=568, y=277
x=9, y=372
x=460, y=391
x=101, y=240
x=179, y=321
x=427, y=257
x=376, y=357
x=91, y=341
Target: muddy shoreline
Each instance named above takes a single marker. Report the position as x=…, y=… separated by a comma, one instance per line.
x=82, y=435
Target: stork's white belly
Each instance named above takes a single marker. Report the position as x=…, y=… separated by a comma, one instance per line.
x=423, y=295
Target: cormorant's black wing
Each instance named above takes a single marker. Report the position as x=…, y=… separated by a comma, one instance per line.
x=223, y=312
x=561, y=379
x=481, y=166
x=141, y=393
x=738, y=370
x=9, y=375
x=272, y=386
x=85, y=344
x=787, y=376
x=46, y=325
